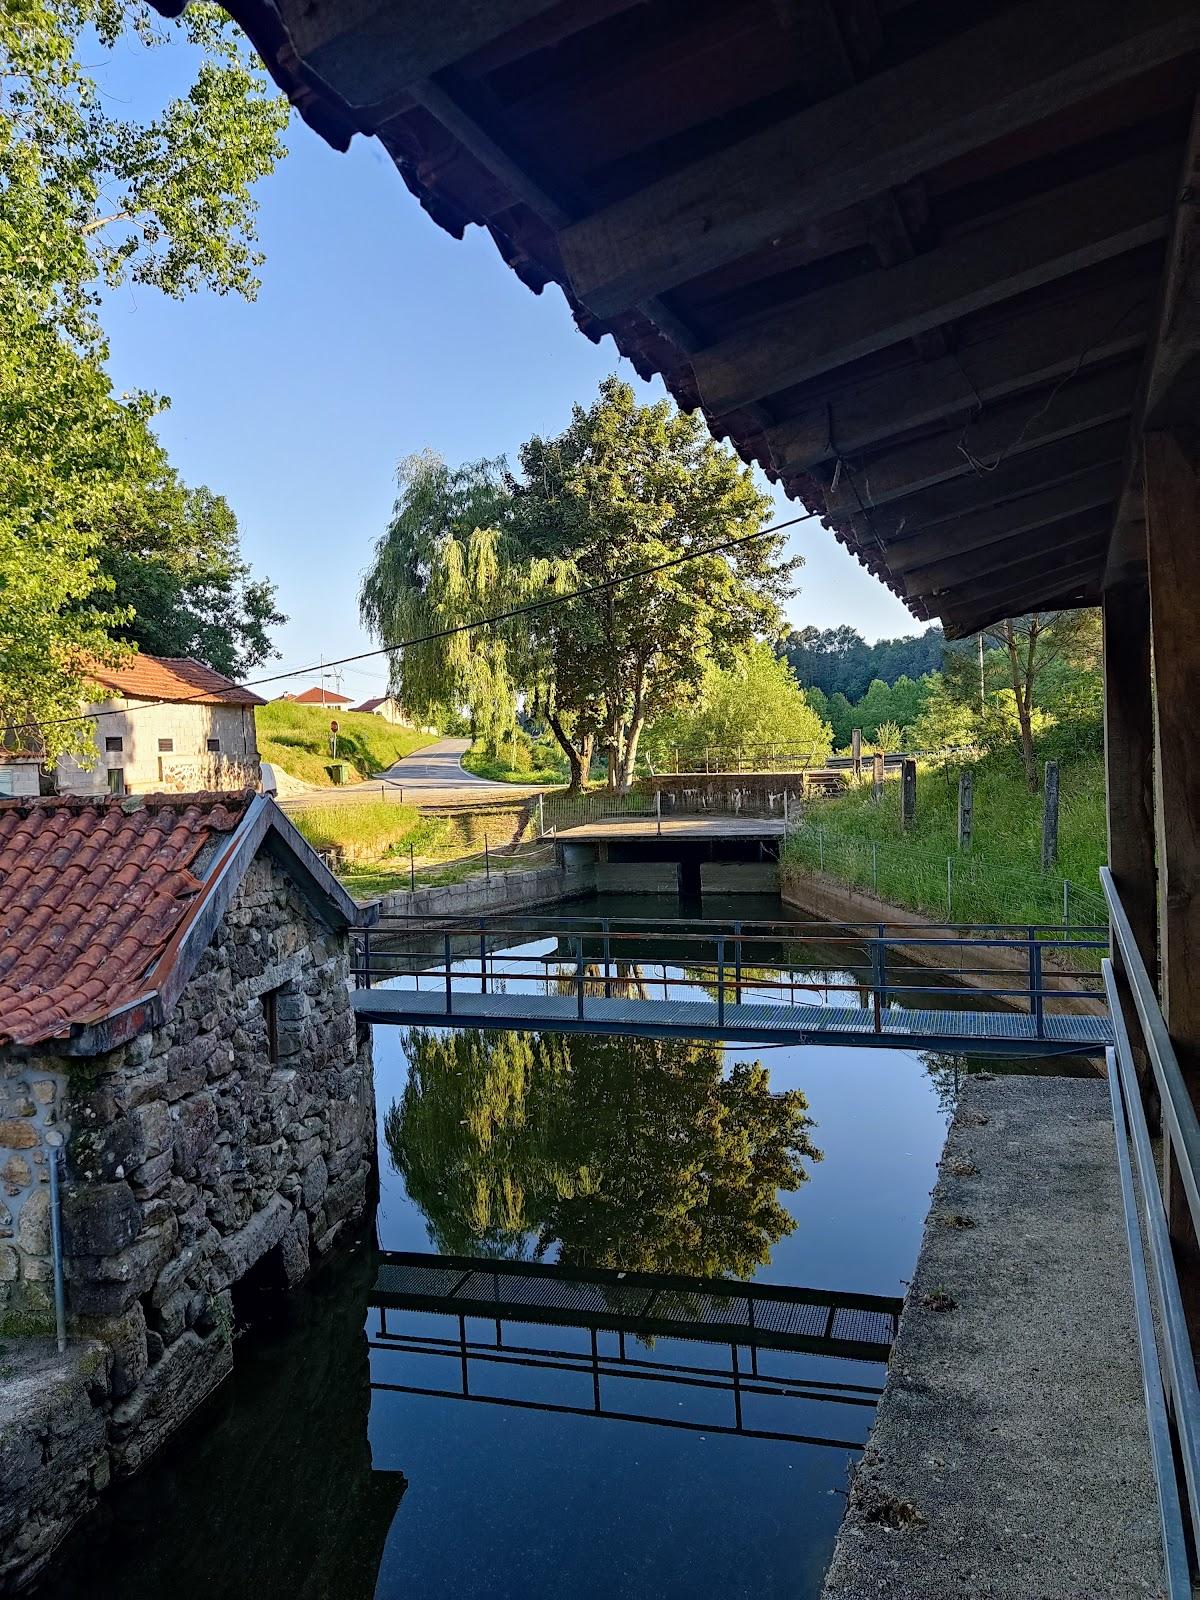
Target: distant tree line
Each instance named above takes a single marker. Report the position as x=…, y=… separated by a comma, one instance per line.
x=840, y=661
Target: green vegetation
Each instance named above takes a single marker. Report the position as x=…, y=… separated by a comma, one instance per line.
x=516, y=758
x=755, y=703
x=296, y=738
x=1000, y=880
x=371, y=840
x=88, y=196
x=638, y=1154
x=624, y=488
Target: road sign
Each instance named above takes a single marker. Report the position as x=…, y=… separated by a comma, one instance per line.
x=333, y=725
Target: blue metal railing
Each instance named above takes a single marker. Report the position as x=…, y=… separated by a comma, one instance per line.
x=879, y=964
x=1168, y=1363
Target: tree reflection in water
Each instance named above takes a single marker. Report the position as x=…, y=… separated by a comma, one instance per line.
x=638, y=1154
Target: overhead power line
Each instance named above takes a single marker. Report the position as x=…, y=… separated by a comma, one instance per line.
x=508, y=615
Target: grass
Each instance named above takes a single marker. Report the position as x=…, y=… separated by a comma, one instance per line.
x=485, y=765
x=371, y=841
x=296, y=738
x=1000, y=880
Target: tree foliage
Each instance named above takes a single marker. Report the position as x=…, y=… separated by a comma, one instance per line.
x=752, y=705
x=638, y=1154
x=839, y=660
x=88, y=196
x=624, y=488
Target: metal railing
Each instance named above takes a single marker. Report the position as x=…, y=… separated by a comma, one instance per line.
x=1168, y=1363
x=880, y=965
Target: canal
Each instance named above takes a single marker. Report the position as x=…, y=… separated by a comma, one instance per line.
x=338, y=1463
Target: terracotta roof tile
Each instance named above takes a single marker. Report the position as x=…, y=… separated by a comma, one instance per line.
x=145, y=677
x=319, y=697
x=91, y=893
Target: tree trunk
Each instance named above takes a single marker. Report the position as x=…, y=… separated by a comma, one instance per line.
x=587, y=746
x=575, y=758
x=629, y=762
x=1022, y=676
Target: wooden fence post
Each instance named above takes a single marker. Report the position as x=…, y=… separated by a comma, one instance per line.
x=1050, y=817
x=856, y=752
x=908, y=793
x=966, y=803
x=877, y=776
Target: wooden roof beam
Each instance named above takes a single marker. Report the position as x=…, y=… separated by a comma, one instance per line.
x=1003, y=432
x=1040, y=343
x=1047, y=540
x=1013, y=70
x=1090, y=220
x=961, y=622
x=1039, y=575
x=948, y=542
x=985, y=492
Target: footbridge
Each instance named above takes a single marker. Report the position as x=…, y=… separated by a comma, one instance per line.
x=1028, y=991
x=484, y=1316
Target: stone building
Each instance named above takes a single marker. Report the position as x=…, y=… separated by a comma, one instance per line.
x=166, y=725
x=174, y=1001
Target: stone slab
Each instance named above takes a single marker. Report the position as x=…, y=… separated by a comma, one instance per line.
x=1010, y=1457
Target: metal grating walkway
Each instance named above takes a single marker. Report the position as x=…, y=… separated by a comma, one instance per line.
x=1008, y=1033
x=716, y=1311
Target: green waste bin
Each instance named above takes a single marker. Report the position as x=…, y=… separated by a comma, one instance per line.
x=339, y=771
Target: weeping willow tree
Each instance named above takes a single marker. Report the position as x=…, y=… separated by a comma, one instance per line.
x=639, y=1154
x=443, y=562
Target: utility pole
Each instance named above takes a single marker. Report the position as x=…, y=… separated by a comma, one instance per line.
x=982, y=696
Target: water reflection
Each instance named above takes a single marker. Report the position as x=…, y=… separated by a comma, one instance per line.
x=638, y=1154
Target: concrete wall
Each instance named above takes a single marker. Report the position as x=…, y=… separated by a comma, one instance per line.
x=637, y=877
x=758, y=793
x=506, y=891
x=188, y=766
x=19, y=778
x=196, y=1155
x=739, y=877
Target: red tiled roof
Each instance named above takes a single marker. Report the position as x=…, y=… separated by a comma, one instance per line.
x=91, y=893
x=371, y=705
x=320, y=697
x=145, y=677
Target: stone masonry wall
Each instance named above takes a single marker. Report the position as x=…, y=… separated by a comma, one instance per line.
x=236, y=1138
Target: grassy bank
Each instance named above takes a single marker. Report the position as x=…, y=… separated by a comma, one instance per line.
x=372, y=839
x=859, y=842
x=296, y=738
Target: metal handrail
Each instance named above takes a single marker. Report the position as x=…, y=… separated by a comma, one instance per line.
x=1168, y=1364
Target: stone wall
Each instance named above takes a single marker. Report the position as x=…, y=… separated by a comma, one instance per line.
x=507, y=891
x=235, y=1140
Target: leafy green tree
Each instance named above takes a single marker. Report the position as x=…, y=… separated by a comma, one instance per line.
x=623, y=488
x=90, y=196
x=755, y=704
x=842, y=720
x=639, y=1154
x=177, y=563
x=875, y=707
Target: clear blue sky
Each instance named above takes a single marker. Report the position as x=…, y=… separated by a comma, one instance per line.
x=374, y=334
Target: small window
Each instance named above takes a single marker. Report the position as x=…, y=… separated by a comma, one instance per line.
x=165, y=746
x=214, y=746
x=116, y=780
x=114, y=746
x=270, y=1007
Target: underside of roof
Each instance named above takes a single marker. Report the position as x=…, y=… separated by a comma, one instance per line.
x=920, y=261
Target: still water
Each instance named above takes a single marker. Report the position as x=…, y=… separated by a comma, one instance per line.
x=339, y=1463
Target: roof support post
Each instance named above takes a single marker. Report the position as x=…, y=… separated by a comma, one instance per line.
x=1172, y=487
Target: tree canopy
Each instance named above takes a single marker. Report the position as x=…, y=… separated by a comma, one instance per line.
x=638, y=1154
x=623, y=488
x=840, y=661
x=754, y=705
x=88, y=196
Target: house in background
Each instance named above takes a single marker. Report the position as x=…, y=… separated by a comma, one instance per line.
x=19, y=773
x=318, y=695
x=387, y=707
x=166, y=725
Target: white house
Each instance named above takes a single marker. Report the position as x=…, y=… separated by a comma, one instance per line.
x=166, y=725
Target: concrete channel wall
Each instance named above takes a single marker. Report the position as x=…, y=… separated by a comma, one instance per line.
x=824, y=897
x=506, y=891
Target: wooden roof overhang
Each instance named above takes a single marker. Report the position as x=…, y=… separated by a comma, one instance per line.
x=932, y=266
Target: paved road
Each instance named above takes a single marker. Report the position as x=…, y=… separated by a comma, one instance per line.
x=432, y=776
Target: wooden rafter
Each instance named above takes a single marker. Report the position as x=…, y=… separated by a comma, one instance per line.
x=1088, y=221
x=1048, y=542
x=1012, y=70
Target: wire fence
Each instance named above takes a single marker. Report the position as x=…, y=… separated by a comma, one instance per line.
x=961, y=888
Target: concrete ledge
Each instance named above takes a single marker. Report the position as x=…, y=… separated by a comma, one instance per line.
x=1009, y=1458
x=507, y=891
